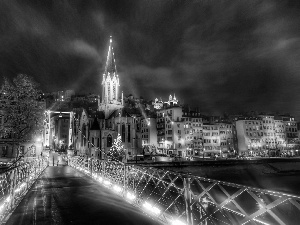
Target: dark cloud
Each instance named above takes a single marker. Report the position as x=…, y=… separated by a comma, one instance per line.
x=218, y=55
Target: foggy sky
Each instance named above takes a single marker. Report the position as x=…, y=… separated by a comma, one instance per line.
x=222, y=56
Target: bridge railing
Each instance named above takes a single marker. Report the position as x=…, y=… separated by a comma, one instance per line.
x=179, y=199
x=15, y=182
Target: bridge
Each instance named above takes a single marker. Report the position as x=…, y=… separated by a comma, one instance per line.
x=111, y=192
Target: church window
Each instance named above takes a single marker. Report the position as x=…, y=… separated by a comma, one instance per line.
x=114, y=91
x=83, y=142
x=128, y=136
x=4, y=151
x=123, y=133
x=108, y=90
x=109, y=141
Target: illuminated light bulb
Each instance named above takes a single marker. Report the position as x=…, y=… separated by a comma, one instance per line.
x=147, y=206
x=177, y=222
x=152, y=209
x=107, y=182
x=7, y=199
x=130, y=196
x=156, y=210
x=117, y=189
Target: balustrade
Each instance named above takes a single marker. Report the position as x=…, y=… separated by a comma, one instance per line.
x=15, y=182
x=175, y=198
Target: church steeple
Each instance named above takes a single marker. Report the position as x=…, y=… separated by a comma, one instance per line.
x=110, y=66
x=110, y=82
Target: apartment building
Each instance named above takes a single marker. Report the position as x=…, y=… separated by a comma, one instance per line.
x=226, y=137
x=148, y=131
x=193, y=133
x=292, y=141
x=170, y=130
x=250, y=136
x=211, y=139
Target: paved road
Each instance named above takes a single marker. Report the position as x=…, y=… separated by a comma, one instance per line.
x=63, y=195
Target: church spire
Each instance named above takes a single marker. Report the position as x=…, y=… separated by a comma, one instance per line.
x=110, y=66
x=110, y=82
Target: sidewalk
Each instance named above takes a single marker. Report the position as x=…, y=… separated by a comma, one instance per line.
x=63, y=195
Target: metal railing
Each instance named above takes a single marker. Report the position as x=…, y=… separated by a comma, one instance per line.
x=180, y=199
x=15, y=182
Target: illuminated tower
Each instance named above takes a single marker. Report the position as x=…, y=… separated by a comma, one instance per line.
x=110, y=85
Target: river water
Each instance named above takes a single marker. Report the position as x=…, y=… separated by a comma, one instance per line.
x=283, y=177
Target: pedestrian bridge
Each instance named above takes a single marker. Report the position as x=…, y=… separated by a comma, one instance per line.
x=110, y=192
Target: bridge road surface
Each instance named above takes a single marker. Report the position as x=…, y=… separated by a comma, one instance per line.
x=63, y=195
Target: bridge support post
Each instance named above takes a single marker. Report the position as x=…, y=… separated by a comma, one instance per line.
x=124, y=180
x=13, y=180
x=27, y=176
x=188, y=198
x=91, y=167
x=103, y=168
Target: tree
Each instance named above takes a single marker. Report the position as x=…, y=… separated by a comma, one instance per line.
x=117, y=152
x=22, y=108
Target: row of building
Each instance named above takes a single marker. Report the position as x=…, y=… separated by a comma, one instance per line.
x=160, y=127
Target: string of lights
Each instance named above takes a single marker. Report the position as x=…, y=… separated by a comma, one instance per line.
x=111, y=175
x=166, y=190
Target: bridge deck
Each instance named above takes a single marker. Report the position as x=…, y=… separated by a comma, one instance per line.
x=63, y=195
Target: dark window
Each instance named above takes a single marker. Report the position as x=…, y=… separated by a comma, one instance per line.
x=4, y=151
x=92, y=141
x=123, y=132
x=109, y=141
x=83, y=130
x=128, y=135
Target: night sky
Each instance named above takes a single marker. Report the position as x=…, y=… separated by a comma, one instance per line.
x=222, y=56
